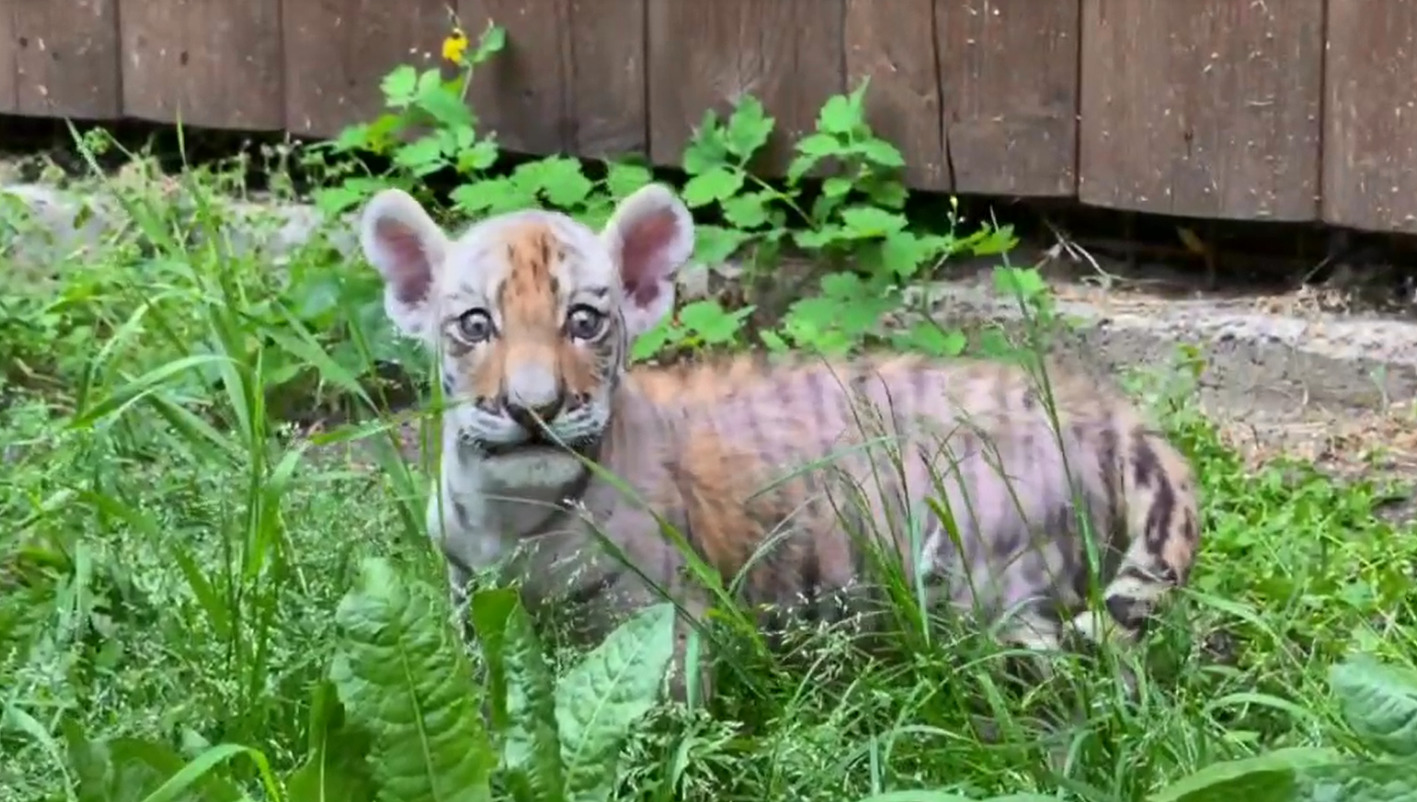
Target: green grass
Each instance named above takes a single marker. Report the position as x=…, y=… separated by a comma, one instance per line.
x=172, y=564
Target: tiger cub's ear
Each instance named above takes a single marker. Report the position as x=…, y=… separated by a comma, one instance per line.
x=407, y=248
x=649, y=237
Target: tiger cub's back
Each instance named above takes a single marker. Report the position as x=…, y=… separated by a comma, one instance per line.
x=782, y=469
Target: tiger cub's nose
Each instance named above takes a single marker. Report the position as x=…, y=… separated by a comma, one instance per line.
x=525, y=415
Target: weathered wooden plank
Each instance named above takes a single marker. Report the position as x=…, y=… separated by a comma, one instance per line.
x=64, y=58
x=893, y=44
x=1009, y=88
x=337, y=52
x=1208, y=108
x=9, y=50
x=1370, y=116
x=702, y=55
x=521, y=93
x=607, y=85
x=209, y=63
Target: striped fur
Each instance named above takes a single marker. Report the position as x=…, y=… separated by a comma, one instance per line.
x=786, y=469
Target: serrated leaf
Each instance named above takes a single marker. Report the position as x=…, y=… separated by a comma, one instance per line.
x=524, y=695
x=1380, y=703
x=903, y=253
x=446, y=107
x=870, y=221
x=714, y=184
x=399, y=86
x=652, y=341
x=836, y=187
x=886, y=193
x=422, y=155
x=491, y=42
x=563, y=183
x=623, y=179
x=711, y=321
x=800, y=166
x=839, y=116
x=748, y=128
x=1019, y=282
x=601, y=698
x=715, y=244
x=706, y=148
x=880, y=152
x=492, y=196
x=402, y=676
x=749, y=210
x=479, y=156
x=333, y=200
x=929, y=338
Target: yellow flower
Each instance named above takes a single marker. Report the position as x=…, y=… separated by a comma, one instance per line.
x=454, y=46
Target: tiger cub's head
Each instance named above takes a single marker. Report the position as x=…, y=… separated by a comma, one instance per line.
x=532, y=312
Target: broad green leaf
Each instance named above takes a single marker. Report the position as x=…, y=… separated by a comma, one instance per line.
x=714, y=244
x=603, y=696
x=903, y=253
x=402, y=676
x=836, y=187
x=748, y=129
x=478, y=156
x=880, y=152
x=399, y=85
x=491, y=42
x=869, y=221
x=447, y=108
x=941, y=796
x=492, y=196
x=1380, y=703
x=336, y=767
x=928, y=337
x=563, y=183
x=425, y=154
x=1271, y=777
x=524, y=695
x=749, y=210
x=715, y=184
x=839, y=116
x=1358, y=782
x=622, y=179
x=706, y=149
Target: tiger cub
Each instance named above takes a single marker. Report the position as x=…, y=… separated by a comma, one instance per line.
x=776, y=470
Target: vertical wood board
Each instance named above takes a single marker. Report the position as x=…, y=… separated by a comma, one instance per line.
x=608, y=82
x=707, y=55
x=338, y=51
x=1370, y=116
x=64, y=56
x=209, y=63
x=1009, y=89
x=893, y=45
x=521, y=93
x=9, y=51
x=1208, y=108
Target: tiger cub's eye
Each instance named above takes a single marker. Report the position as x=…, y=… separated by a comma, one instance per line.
x=585, y=322
x=475, y=325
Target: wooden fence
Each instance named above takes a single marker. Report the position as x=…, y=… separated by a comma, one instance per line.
x=1236, y=109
